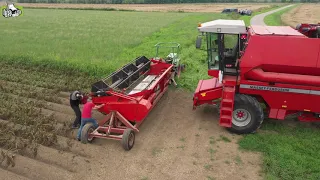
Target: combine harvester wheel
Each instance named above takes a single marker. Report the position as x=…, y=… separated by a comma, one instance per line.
x=247, y=115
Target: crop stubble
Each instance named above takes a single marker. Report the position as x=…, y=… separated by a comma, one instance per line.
x=305, y=13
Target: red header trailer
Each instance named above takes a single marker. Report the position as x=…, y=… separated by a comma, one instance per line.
x=275, y=66
x=129, y=95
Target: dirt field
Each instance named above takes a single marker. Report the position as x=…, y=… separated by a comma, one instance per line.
x=156, y=7
x=306, y=13
x=174, y=142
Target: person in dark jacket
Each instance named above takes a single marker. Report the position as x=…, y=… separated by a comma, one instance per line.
x=75, y=100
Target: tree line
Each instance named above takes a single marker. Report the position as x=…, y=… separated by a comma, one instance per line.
x=157, y=1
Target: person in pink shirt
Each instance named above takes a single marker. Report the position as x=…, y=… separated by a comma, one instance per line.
x=86, y=116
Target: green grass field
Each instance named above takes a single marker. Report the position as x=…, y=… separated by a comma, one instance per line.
x=290, y=148
x=77, y=36
x=99, y=42
x=275, y=18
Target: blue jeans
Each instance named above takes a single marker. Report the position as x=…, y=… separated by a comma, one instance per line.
x=84, y=121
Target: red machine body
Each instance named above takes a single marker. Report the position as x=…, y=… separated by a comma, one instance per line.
x=279, y=67
x=284, y=70
x=309, y=30
x=129, y=95
x=135, y=106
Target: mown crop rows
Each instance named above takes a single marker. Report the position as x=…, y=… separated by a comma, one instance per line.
x=27, y=95
x=55, y=81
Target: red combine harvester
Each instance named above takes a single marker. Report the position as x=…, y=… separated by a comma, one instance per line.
x=310, y=30
x=129, y=94
x=275, y=66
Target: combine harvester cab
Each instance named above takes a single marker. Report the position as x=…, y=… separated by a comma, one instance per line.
x=129, y=94
x=210, y=91
x=275, y=66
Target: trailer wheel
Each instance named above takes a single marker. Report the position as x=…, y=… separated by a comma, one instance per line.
x=88, y=128
x=247, y=115
x=128, y=138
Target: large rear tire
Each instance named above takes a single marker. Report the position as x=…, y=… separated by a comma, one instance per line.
x=247, y=115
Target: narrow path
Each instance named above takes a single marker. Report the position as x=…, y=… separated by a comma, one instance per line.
x=259, y=19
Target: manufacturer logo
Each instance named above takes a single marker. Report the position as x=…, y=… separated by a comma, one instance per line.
x=11, y=10
x=279, y=89
x=266, y=88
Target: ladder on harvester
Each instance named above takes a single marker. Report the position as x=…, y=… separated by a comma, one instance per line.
x=227, y=102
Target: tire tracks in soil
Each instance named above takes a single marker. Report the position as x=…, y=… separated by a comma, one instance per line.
x=158, y=153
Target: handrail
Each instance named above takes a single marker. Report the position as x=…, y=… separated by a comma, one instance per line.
x=177, y=45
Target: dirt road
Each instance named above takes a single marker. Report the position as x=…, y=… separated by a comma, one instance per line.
x=259, y=19
x=177, y=143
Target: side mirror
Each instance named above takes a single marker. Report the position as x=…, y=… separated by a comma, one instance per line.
x=198, y=42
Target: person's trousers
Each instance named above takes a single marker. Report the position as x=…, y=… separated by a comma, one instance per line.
x=84, y=121
x=77, y=111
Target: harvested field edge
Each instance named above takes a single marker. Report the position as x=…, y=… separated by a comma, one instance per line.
x=75, y=8
x=184, y=7
x=304, y=13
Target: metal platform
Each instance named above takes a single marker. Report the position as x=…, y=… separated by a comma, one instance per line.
x=144, y=84
x=125, y=77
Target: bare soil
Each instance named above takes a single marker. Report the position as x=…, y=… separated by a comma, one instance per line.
x=217, y=7
x=174, y=142
x=305, y=13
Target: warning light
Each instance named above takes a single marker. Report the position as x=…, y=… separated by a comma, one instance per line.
x=243, y=36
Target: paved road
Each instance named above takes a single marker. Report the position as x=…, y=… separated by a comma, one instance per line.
x=258, y=19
